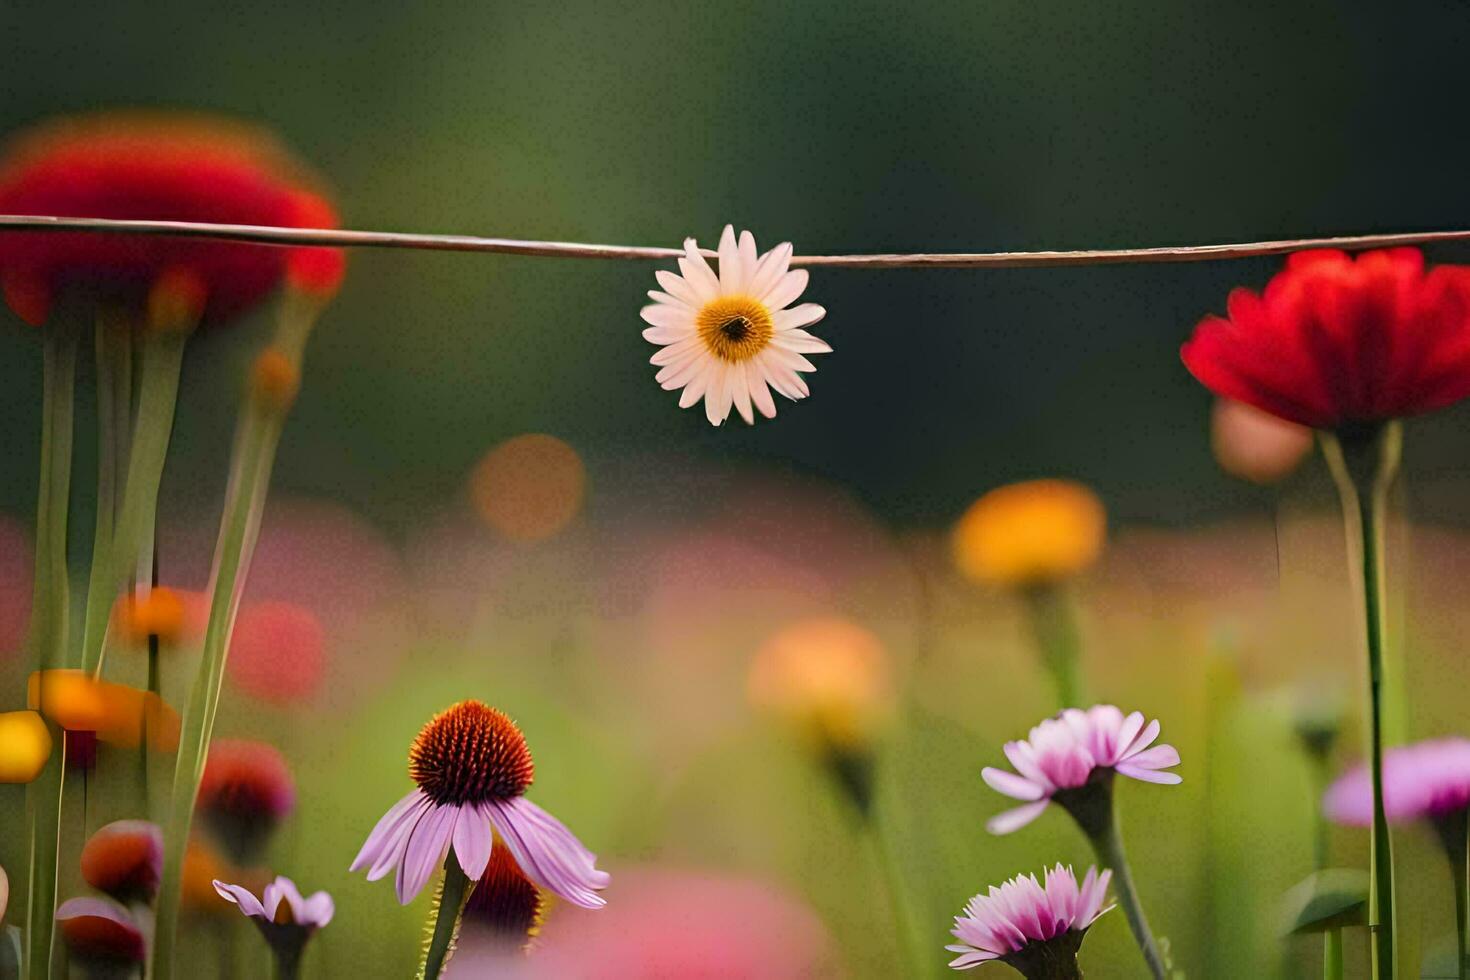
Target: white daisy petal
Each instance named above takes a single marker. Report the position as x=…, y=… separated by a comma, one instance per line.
x=677, y=287
x=771, y=267
x=790, y=359
x=786, y=290
x=748, y=259
x=798, y=316
x=760, y=392
x=667, y=335
x=673, y=352
x=731, y=270
x=695, y=389
x=740, y=388
x=697, y=273
x=661, y=315
x=799, y=341
x=673, y=301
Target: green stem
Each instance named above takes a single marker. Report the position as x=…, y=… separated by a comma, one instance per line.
x=49, y=615
x=1101, y=828
x=906, y=935
x=113, y=560
x=1332, y=962
x=253, y=457
x=251, y=461
x=452, y=896
x=1054, y=624
x=1454, y=835
x=1363, y=465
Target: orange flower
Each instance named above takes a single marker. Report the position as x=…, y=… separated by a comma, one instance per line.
x=828, y=676
x=124, y=859
x=118, y=714
x=1029, y=534
x=158, y=165
x=173, y=615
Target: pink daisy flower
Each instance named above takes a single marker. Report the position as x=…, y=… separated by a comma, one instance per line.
x=1029, y=925
x=1070, y=751
x=1424, y=781
x=284, y=918
x=473, y=768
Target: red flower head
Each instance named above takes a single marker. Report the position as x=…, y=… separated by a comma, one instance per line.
x=159, y=165
x=245, y=792
x=1336, y=342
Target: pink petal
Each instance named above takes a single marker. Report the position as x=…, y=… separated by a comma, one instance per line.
x=1016, y=787
x=472, y=841
x=1149, y=775
x=1013, y=820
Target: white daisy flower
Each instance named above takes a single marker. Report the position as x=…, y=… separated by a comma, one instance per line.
x=730, y=338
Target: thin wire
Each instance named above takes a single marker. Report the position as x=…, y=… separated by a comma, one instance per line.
x=267, y=235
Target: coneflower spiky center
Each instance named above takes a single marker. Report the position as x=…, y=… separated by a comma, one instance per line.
x=505, y=906
x=470, y=753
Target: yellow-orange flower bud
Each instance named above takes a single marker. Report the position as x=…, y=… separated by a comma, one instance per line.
x=176, y=301
x=1029, y=534
x=25, y=745
x=274, y=380
x=163, y=612
x=828, y=676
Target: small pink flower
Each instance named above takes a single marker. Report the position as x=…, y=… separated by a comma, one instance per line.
x=1068, y=751
x=473, y=768
x=1028, y=925
x=304, y=913
x=284, y=918
x=1424, y=781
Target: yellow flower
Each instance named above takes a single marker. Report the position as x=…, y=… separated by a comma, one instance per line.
x=828, y=676
x=1030, y=534
x=25, y=745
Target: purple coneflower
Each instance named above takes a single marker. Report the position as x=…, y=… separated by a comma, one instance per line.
x=473, y=768
x=284, y=918
x=1033, y=927
x=1065, y=754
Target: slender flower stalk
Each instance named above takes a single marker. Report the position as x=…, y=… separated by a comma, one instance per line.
x=175, y=306
x=1363, y=466
x=1054, y=624
x=449, y=904
x=50, y=605
x=269, y=394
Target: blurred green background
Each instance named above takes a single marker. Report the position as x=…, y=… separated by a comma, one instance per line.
x=843, y=127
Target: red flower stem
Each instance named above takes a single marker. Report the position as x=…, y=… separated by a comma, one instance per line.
x=1364, y=466
x=49, y=616
x=115, y=557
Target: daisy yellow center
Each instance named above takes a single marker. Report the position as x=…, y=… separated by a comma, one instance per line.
x=735, y=328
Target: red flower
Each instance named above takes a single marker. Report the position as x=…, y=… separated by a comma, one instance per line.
x=1334, y=341
x=168, y=166
x=245, y=792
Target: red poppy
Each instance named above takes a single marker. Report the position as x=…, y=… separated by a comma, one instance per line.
x=158, y=165
x=1335, y=342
